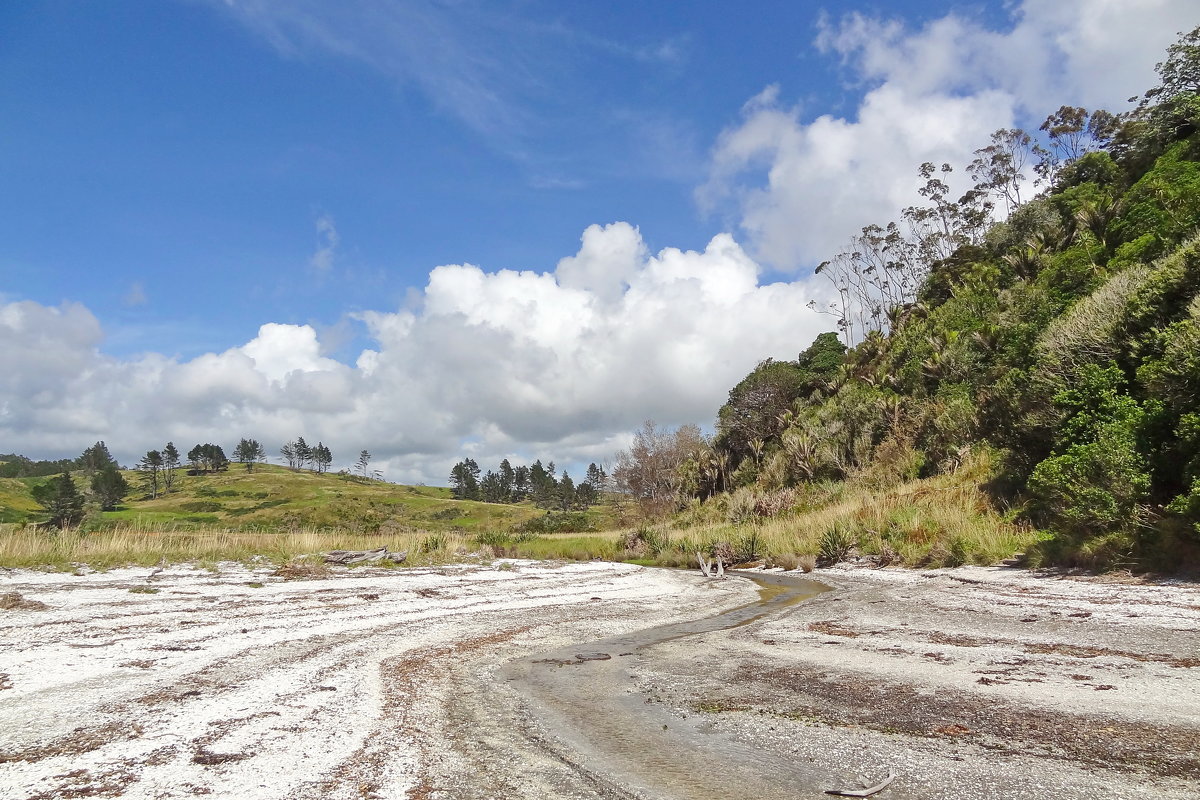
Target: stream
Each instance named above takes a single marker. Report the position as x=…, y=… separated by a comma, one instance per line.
x=586, y=694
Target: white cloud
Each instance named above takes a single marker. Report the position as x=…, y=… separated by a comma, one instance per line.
x=560, y=365
x=827, y=178
x=327, y=242
x=802, y=188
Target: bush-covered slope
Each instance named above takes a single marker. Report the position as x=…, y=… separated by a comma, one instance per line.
x=1064, y=340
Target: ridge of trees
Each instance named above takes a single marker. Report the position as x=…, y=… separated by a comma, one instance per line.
x=509, y=484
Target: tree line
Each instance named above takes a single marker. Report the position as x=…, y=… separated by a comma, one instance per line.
x=509, y=484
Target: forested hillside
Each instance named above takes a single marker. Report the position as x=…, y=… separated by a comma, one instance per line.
x=1060, y=346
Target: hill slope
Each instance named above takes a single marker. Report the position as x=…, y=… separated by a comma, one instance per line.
x=278, y=498
x=1061, y=342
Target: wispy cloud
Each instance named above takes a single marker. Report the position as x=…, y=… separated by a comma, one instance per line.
x=509, y=76
x=327, y=242
x=136, y=296
x=553, y=182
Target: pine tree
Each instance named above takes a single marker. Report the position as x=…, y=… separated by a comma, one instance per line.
x=464, y=480
x=96, y=458
x=520, y=487
x=304, y=453
x=196, y=457
x=109, y=486
x=589, y=492
x=491, y=488
x=61, y=500
x=566, y=492
x=506, y=477
x=170, y=464
x=321, y=457
x=248, y=452
x=150, y=466
x=542, y=484
x=596, y=477
x=208, y=457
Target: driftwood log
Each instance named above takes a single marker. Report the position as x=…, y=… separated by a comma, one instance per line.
x=348, y=557
x=876, y=789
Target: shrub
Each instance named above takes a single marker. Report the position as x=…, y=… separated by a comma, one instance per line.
x=1187, y=506
x=567, y=522
x=742, y=504
x=643, y=542
x=201, y=506
x=432, y=543
x=1090, y=489
x=787, y=561
x=836, y=543
x=493, y=539
x=746, y=548
x=1097, y=479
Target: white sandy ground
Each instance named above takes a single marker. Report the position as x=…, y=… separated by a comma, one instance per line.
x=979, y=682
x=383, y=683
x=312, y=688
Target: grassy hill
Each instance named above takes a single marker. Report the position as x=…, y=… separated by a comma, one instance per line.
x=275, y=498
x=16, y=503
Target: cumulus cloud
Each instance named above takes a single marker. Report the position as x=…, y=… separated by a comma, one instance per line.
x=560, y=364
x=801, y=188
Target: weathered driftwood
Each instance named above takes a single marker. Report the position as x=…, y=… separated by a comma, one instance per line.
x=348, y=557
x=162, y=564
x=870, y=790
x=715, y=569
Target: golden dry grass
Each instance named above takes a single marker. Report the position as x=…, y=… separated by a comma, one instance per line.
x=33, y=547
x=940, y=521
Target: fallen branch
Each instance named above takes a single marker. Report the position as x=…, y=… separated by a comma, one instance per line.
x=876, y=789
x=348, y=557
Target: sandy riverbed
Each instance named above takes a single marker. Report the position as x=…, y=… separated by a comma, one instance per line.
x=389, y=683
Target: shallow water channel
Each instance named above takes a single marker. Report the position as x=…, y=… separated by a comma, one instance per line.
x=585, y=694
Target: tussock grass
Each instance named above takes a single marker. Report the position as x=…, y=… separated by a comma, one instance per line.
x=138, y=545
x=941, y=521
x=295, y=553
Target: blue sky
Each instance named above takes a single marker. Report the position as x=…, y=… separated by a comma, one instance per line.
x=178, y=175
x=175, y=147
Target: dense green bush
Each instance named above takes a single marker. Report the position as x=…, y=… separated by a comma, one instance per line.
x=1066, y=337
x=201, y=506
x=568, y=522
